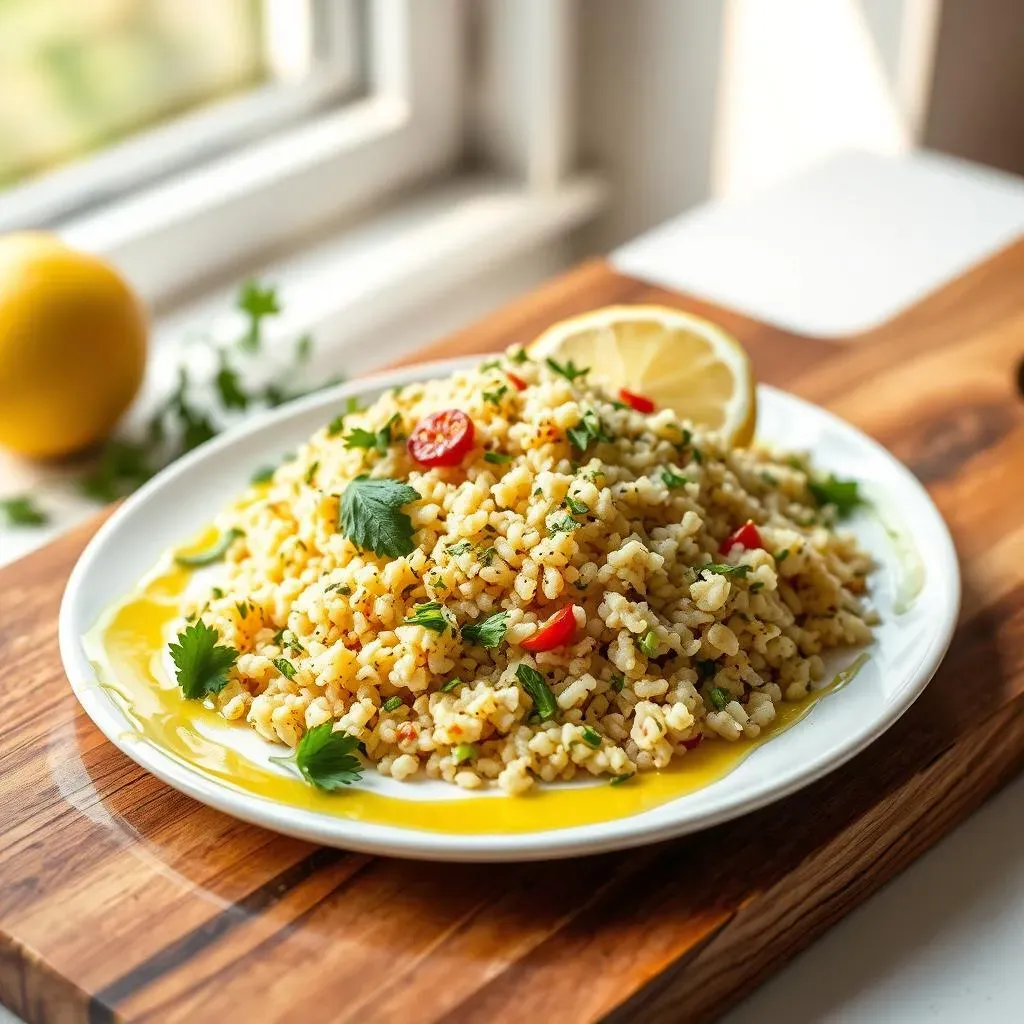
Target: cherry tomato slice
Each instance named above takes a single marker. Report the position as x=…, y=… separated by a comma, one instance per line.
x=639, y=402
x=746, y=536
x=442, y=438
x=559, y=630
x=517, y=382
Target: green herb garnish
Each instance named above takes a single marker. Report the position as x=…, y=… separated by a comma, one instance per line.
x=311, y=473
x=844, y=495
x=563, y=524
x=392, y=703
x=618, y=780
x=498, y=458
x=451, y=684
x=568, y=371
x=263, y=475
x=229, y=386
x=201, y=666
x=459, y=547
x=257, y=303
x=577, y=508
x=285, y=667
x=672, y=479
x=618, y=682
x=488, y=632
x=782, y=556
x=519, y=356
x=326, y=758
x=756, y=586
x=495, y=396
x=379, y=439
x=588, y=429
x=719, y=698
x=591, y=737
x=242, y=608
x=463, y=752
x=649, y=643
x=371, y=515
x=429, y=616
x=730, y=571
x=540, y=693
x=212, y=554
x=22, y=510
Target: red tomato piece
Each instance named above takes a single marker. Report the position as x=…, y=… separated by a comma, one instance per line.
x=746, y=536
x=559, y=631
x=639, y=402
x=517, y=382
x=442, y=438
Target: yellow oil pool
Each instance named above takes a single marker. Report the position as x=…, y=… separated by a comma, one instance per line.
x=127, y=647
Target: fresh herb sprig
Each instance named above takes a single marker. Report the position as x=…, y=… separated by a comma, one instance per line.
x=201, y=665
x=536, y=686
x=22, y=510
x=487, y=632
x=326, y=759
x=371, y=515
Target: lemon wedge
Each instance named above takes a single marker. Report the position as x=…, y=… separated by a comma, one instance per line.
x=675, y=359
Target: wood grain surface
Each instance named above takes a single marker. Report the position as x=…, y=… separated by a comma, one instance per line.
x=122, y=900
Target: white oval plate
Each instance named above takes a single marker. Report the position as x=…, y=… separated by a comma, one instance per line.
x=905, y=654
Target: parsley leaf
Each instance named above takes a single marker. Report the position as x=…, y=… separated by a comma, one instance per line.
x=463, y=752
x=618, y=682
x=429, y=616
x=591, y=737
x=200, y=665
x=371, y=515
x=123, y=467
x=257, y=303
x=577, y=508
x=22, y=510
x=670, y=478
x=285, y=667
x=730, y=571
x=568, y=370
x=618, y=780
x=519, y=356
x=590, y=428
x=719, y=698
x=451, y=684
x=649, y=643
x=498, y=458
x=843, y=494
x=311, y=472
x=212, y=554
x=540, y=693
x=782, y=556
x=326, y=758
x=380, y=439
x=495, y=396
x=459, y=547
x=487, y=632
x=229, y=387
x=391, y=704
x=565, y=524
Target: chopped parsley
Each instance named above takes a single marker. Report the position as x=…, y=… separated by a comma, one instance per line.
x=733, y=572
x=486, y=556
x=22, y=510
x=392, y=704
x=618, y=780
x=242, y=608
x=562, y=524
x=335, y=427
x=451, y=684
x=618, y=682
x=782, y=556
x=591, y=737
x=326, y=758
x=843, y=495
x=718, y=697
x=568, y=370
x=371, y=516
x=540, y=693
x=311, y=473
x=278, y=638
x=217, y=592
x=379, y=439
x=463, y=752
x=769, y=479
x=495, y=396
x=459, y=547
x=577, y=508
x=429, y=616
x=285, y=667
x=649, y=643
x=201, y=665
x=589, y=429
x=519, y=356
x=672, y=479
x=756, y=586
x=498, y=458
x=488, y=632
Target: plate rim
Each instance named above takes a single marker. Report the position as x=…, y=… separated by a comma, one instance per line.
x=387, y=840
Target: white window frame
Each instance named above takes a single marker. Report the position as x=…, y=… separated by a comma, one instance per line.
x=216, y=218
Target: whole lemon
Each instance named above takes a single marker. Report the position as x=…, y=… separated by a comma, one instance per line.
x=72, y=346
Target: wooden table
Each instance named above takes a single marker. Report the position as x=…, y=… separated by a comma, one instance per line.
x=120, y=899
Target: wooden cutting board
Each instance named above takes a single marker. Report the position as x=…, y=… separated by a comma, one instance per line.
x=121, y=899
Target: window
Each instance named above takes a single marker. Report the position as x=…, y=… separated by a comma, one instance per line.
x=184, y=138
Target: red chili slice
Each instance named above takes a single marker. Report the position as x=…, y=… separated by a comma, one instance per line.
x=442, y=438
x=746, y=536
x=517, y=382
x=559, y=631
x=639, y=402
